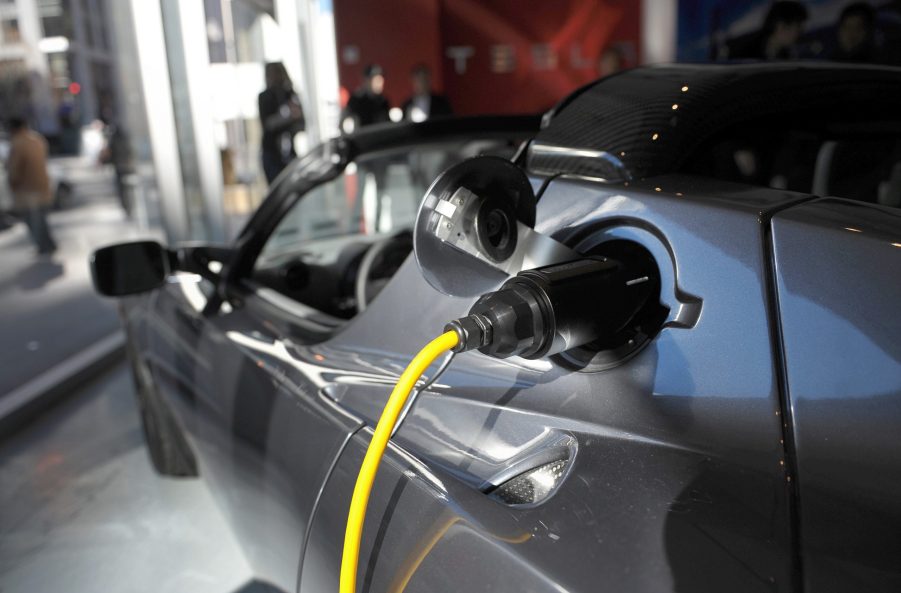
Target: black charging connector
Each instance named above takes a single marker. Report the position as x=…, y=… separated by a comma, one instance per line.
x=548, y=310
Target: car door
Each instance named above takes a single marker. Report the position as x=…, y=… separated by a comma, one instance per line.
x=838, y=265
x=265, y=433
x=661, y=470
x=264, y=437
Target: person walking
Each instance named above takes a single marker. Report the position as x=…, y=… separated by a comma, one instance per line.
x=282, y=117
x=30, y=184
x=118, y=153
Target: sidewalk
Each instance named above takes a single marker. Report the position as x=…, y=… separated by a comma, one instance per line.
x=48, y=310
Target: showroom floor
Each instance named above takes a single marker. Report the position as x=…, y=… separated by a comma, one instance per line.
x=82, y=509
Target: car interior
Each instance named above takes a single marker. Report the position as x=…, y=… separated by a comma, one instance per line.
x=343, y=241
x=857, y=161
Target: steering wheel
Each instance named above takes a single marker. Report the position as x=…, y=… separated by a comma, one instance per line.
x=379, y=263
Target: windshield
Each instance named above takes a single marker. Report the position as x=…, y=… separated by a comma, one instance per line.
x=377, y=194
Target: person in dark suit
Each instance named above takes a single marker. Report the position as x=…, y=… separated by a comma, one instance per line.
x=776, y=40
x=856, y=34
x=425, y=104
x=282, y=117
x=367, y=105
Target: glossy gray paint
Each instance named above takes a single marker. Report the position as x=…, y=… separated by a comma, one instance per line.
x=682, y=474
x=265, y=440
x=677, y=479
x=265, y=436
x=838, y=265
x=669, y=444
x=677, y=451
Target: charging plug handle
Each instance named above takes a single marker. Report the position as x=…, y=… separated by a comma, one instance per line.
x=552, y=309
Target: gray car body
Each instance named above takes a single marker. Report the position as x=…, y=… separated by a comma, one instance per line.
x=750, y=446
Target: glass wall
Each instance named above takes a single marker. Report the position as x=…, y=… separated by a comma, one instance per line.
x=237, y=39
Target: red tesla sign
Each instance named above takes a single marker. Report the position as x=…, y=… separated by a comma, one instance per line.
x=494, y=56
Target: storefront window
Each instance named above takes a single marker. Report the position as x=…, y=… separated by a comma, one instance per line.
x=236, y=37
x=11, y=30
x=56, y=18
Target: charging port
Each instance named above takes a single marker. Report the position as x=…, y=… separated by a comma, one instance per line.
x=613, y=349
x=584, y=306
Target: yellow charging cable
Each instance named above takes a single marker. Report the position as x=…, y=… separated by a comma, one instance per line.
x=357, y=513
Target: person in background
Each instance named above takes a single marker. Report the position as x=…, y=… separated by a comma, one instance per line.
x=855, y=34
x=776, y=40
x=425, y=104
x=611, y=62
x=118, y=153
x=282, y=117
x=367, y=105
x=30, y=184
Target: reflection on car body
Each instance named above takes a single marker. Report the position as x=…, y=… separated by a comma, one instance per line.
x=734, y=445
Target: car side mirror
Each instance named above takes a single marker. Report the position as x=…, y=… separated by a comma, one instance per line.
x=130, y=268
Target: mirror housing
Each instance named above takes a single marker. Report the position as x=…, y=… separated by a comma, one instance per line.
x=130, y=268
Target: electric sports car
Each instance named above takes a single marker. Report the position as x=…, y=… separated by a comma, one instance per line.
x=739, y=433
